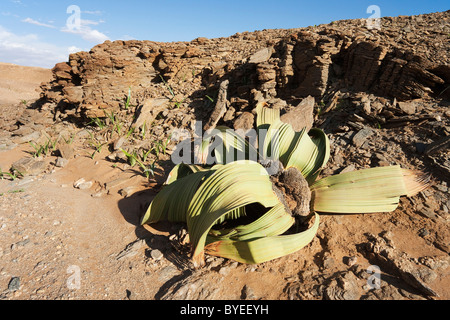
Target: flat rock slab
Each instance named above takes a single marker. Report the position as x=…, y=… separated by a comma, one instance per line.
x=301, y=116
x=261, y=56
x=362, y=136
x=29, y=166
x=148, y=112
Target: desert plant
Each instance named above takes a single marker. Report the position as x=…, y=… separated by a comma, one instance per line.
x=94, y=143
x=45, y=148
x=133, y=159
x=128, y=99
x=213, y=201
x=168, y=87
x=161, y=146
x=13, y=174
x=117, y=125
x=70, y=140
x=98, y=122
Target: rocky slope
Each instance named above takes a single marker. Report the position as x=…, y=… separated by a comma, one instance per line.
x=380, y=95
x=406, y=59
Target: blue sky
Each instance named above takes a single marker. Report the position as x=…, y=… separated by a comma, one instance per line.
x=43, y=32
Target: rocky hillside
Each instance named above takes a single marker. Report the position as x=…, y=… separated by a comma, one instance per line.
x=406, y=59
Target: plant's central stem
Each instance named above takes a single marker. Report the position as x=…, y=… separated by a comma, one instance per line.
x=293, y=190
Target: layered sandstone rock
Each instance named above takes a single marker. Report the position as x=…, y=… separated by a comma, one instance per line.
x=407, y=58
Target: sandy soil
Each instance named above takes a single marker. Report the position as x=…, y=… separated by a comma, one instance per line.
x=18, y=83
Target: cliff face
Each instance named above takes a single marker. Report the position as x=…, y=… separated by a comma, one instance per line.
x=407, y=58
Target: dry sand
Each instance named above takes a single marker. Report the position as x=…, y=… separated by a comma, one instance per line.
x=18, y=83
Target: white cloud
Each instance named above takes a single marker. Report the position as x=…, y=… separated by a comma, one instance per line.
x=90, y=22
x=86, y=32
x=73, y=49
x=37, y=23
x=97, y=12
x=29, y=50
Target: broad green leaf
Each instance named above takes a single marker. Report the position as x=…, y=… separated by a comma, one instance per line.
x=364, y=191
x=308, y=152
x=228, y=146
x=171, y=203
x=182, y=170
x=266, y=116
x=232, y=186
x=276, y=221
x=263, y=249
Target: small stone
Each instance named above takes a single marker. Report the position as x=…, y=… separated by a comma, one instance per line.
x=167, y=273
x=247, y=293
x=224, y=271
x=7, y=144
x=61, y=162
x=14, y=284
x=251, y=268
x=245, y=122
x=362, y=136
x=351, y=261
x=428, y=213
x=427, y=275
x=98, y=194
x=424, y=232
x=112, y=156
x=119, y=143
x=407, y=107
x=66, y=151
x=301, y=116
x=328, y=261
x=229, y=115
x=78, y=182
x=28, y=138
x=128, y=191
x=156, y=254
x=349, y=168
x=83, y=184
x=23, y=182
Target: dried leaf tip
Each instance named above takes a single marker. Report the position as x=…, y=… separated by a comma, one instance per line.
x=415, y=181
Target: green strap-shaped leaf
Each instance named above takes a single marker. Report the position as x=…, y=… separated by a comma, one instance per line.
x=231, y=186
x=308, y=152
x=182, y=170
x=171, y=203
x=274, y=222
x=228, y=146
x=364, y=191
x=279, y=141
x=263, y=249
x=266, y=116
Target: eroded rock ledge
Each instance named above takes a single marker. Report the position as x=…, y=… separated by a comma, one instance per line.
x=406, y=59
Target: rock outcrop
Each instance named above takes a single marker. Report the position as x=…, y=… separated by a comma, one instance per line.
x=288, y=64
